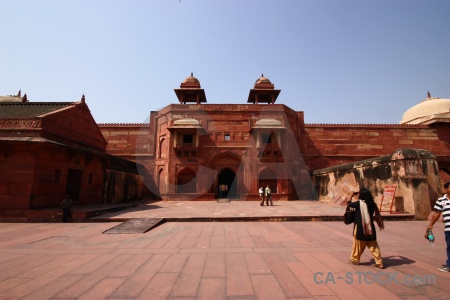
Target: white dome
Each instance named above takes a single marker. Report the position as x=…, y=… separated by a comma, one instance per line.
x=428, y=111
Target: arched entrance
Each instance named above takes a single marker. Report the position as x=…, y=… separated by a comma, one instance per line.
x=230, y=170
x=228, y=177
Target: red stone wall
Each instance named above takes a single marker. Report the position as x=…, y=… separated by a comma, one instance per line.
x=16, y=175
x=126, y=140
x=329, y=145
x=121, y=186
x=133, y=142
x=28, y=175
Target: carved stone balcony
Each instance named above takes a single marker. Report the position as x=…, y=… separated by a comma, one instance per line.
x=186, y=150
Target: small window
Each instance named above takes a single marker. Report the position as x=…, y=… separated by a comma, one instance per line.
x=56, y=175
x=227, y=137
x=90, y=178
x=188, y=138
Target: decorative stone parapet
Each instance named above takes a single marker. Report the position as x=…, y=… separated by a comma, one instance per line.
x=20, y=123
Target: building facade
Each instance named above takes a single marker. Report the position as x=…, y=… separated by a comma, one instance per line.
x=49, y=149
x=191, y=149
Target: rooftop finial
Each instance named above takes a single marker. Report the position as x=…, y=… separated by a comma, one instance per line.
x=18, y=94
x=25, y=98
x=262, y=75
x=429, y=95
x=83, y=99
x=192, y=74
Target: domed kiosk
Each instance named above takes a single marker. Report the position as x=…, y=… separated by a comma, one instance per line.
x=263, y=92
x=190, y=91
x=430, y=110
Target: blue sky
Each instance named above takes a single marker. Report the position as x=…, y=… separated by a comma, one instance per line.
x=338, y=61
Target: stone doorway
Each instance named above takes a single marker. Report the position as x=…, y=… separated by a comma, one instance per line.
x=228, y=177
x=73, y=185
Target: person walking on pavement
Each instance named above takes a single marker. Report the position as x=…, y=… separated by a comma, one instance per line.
x=268, y=196
x=443, y=206
x=66, y=205
x=261, y=196
x=364, y=234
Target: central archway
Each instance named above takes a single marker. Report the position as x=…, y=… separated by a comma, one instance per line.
x=230, y=171
x=228, y=178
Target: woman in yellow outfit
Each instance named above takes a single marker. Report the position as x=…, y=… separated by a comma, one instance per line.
x=364, y=234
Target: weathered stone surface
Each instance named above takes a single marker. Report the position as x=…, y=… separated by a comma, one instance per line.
x=414, y=172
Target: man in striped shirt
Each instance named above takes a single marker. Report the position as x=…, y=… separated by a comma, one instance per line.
x=443, y=205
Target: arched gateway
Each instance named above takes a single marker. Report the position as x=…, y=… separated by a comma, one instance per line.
x=229, y=170
x=227, y=178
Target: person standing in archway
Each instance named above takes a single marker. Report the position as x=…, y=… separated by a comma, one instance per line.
x=221, y=190
x=268, y=196
x=225, y=191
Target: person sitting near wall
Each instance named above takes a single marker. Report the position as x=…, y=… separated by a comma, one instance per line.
x=66, y=205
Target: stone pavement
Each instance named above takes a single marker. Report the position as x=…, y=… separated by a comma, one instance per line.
x=217, y=260
x=233, y=211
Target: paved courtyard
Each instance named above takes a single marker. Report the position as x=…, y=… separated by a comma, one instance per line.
x=234, y=210
x=216, y=260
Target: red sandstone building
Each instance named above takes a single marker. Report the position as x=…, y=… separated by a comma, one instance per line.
x=49, y=149
x=192, y=148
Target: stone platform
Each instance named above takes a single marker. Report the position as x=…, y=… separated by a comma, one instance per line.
x=234, y=210
x=183, y=211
